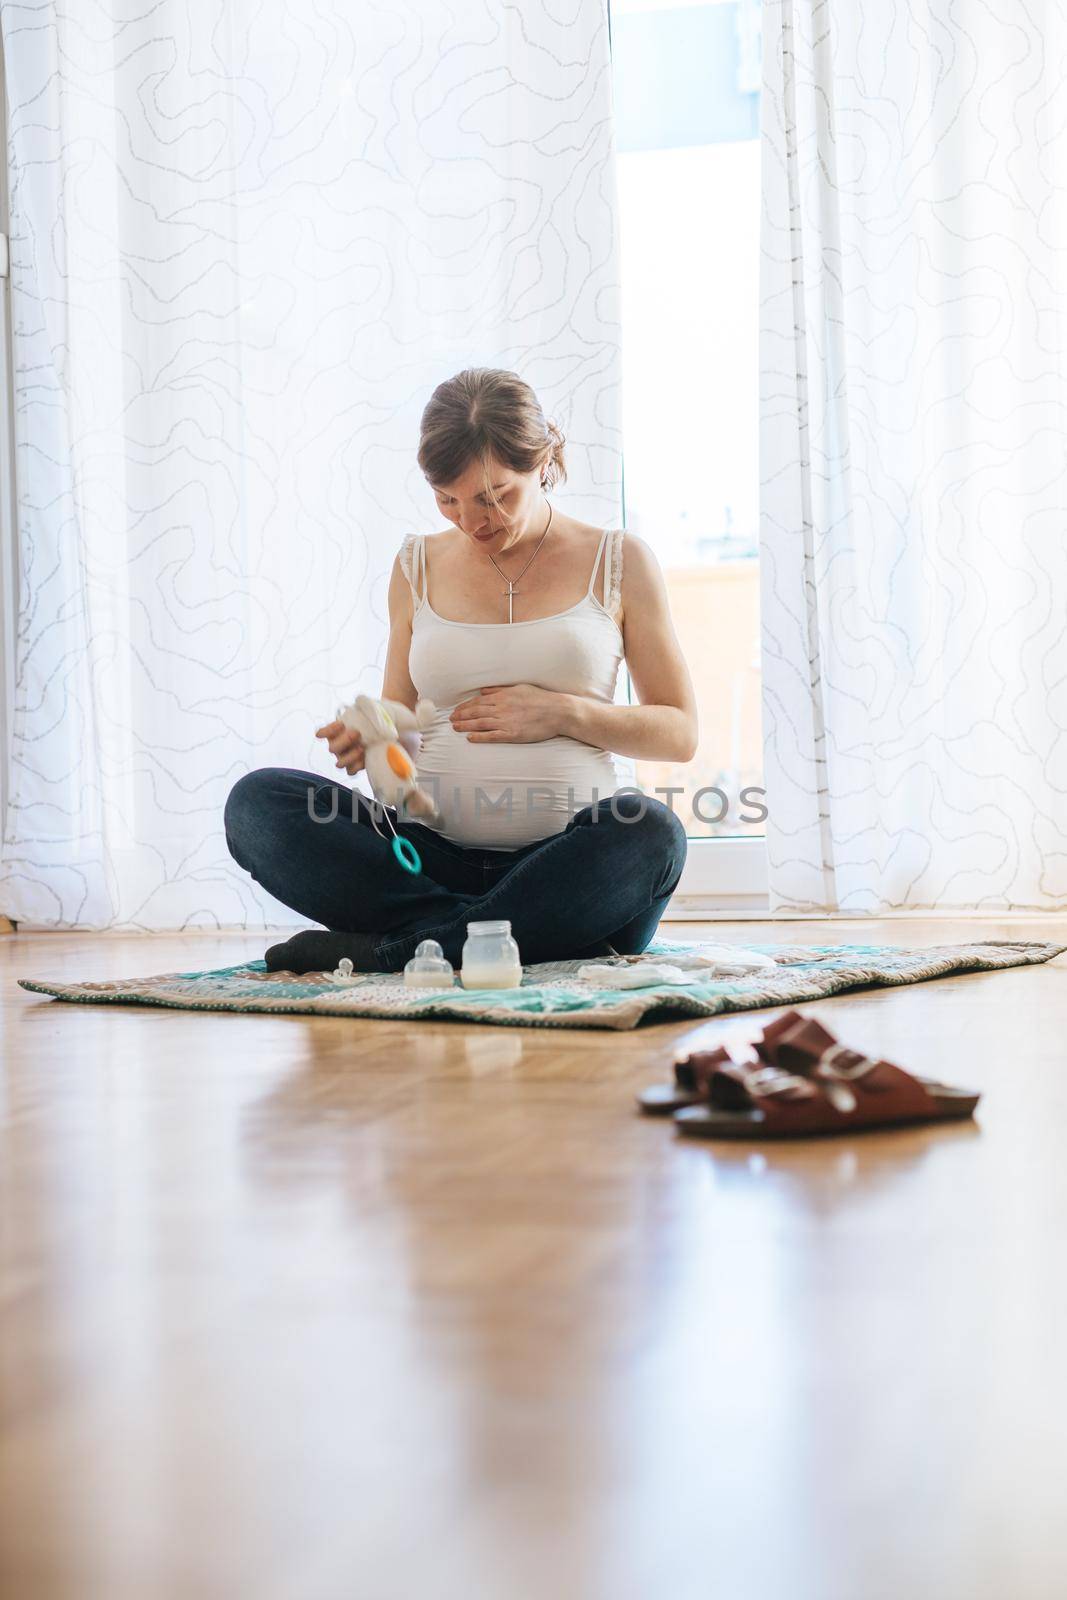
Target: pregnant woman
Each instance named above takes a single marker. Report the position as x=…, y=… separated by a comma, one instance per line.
x=513, y=621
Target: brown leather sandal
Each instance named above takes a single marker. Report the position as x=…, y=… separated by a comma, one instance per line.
x=835, y=1090
x=692, y=1070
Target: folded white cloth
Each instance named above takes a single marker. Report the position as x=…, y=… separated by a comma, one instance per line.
x=635, y=977
x=685, y=966
x=727, y=959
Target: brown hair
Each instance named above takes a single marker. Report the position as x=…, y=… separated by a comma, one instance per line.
x=486, y=414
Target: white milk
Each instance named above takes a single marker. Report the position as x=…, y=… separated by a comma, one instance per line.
x=487, y=975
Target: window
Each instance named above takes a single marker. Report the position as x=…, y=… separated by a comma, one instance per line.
x=686, y=90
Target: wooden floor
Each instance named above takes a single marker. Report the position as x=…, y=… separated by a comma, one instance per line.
x=322, y=1309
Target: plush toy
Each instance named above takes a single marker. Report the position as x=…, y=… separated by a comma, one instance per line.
x=392, y=737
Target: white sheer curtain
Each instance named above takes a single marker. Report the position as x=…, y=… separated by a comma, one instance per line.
x=248, y=239
x=914, y=454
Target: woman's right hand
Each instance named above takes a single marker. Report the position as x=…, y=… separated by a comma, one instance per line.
x=345, y=745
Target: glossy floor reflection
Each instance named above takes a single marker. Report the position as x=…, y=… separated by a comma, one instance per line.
x=332, y=1308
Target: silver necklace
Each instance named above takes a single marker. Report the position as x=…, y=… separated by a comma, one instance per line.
x=511, y=582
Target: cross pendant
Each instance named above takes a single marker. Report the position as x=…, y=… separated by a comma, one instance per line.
x=509, y=591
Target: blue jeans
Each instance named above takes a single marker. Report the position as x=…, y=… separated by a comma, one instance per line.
x=601, y=884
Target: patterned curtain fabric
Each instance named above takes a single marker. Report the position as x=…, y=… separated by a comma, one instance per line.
x=914, y=455
x=248, y=240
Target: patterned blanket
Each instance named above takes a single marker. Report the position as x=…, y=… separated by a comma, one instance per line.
x=552, y=996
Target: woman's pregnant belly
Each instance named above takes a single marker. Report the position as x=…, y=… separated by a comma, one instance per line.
x=503, y=796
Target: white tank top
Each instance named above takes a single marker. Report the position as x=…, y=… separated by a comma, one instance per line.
x=502, y=796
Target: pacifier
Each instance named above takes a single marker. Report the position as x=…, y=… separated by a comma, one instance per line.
x=343, y=973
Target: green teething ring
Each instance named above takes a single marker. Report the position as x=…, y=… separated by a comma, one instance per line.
x=406, y=854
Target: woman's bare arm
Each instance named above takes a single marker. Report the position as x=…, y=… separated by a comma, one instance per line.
x=396, y=680
x=347, y=747
x=664, y=726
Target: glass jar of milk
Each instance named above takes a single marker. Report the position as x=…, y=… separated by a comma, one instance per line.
x=490, y=957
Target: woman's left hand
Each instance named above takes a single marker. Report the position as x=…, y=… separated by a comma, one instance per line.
x=514, y=713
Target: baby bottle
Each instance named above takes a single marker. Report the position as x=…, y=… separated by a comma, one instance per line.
x=428, y=968
x=490, y=957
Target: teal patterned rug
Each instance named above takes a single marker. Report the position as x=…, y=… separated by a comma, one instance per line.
x=552, y=996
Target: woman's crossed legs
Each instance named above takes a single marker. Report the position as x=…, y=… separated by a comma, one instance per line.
x=602, y=883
